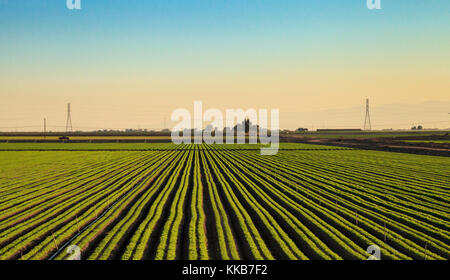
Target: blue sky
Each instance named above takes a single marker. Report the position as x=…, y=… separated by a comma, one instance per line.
x=210, y=27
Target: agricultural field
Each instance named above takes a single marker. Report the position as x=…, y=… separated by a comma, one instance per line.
x=162, y=201
x=428, y=141
x=146, y=147
x=372, y=134
x=85, y=138
x=86, y=146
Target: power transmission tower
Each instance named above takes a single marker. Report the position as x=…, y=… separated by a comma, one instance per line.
x=45, y=127
x=367, y=120
x=69, y=119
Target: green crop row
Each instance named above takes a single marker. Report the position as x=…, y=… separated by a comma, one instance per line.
x=162, y=201
x=327, y=191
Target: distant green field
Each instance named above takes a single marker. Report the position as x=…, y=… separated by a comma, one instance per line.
x=371, y=134
x=86, y=138
x=146, y=146
x=87, y=146
x=428, y=141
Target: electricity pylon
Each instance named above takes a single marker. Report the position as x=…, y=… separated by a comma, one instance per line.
x=69, y=119
x=367, y=120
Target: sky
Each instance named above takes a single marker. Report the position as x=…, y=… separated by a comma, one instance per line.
x=129, y=63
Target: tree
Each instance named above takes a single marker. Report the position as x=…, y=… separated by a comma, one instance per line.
x=247, y=124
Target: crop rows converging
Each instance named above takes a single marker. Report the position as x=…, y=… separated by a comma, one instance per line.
x=223, y=202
